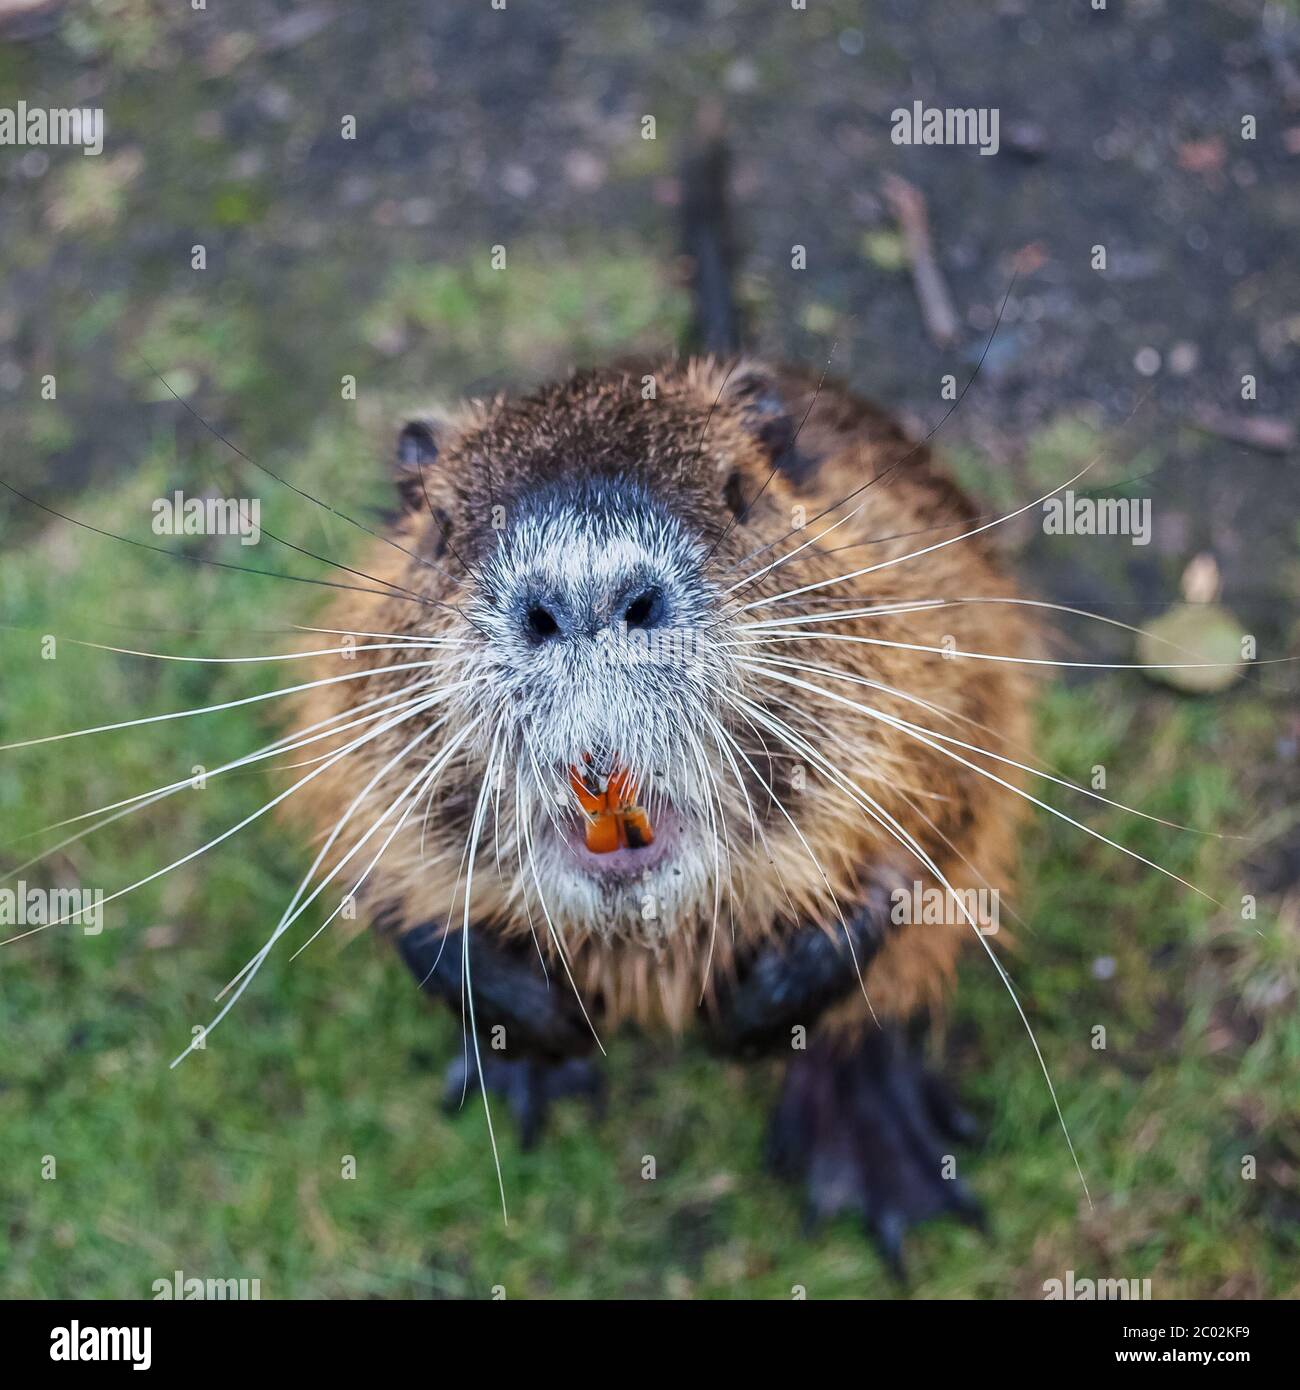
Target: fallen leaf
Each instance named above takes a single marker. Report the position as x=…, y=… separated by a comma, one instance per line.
x=1188, y=634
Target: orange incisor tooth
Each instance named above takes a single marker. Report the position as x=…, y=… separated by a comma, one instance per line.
x=591, y=802
x=602, y=833
x=614, y=820
x=636, y=828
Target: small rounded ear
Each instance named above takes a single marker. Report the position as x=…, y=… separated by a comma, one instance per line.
x=768, y=416
x=764, y=410
x=417, y=452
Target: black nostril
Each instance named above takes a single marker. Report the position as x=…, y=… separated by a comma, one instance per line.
x=541, y=622
x=646, y=610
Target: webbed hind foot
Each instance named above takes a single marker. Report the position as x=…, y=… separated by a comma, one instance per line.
x=869, y=1130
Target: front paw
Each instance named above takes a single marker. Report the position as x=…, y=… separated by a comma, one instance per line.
x=792, y=982
x=539, y=1014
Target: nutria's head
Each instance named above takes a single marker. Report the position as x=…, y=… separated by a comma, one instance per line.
x=577, y=546
x=631, y=694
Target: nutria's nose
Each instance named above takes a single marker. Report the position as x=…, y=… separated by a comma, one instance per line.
x=540, y=622
x=554, y=616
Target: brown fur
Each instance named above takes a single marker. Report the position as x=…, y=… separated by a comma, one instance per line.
x=490, y=452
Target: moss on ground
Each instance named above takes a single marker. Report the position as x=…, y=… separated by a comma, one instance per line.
x=233, y=1162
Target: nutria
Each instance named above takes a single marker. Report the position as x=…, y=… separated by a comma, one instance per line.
x=682, y=733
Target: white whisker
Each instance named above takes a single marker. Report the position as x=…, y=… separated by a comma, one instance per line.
x=141, y=800
x=925, y=550
x=227, y=704
x=952, y=652
x=225, y=835
x=430, y=644
x=737, y=703
x=480, y=811
x=554, y=936
x=986, y=752
x=909, y=842
x=299, y=905
x=913, y=731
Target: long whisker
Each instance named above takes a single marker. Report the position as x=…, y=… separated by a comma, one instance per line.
x=227, y=704
x=521, y=810
x=717, y=730
x=934, y=603
x=413, y=638
x=739, y=702
x=876, y=773
x=184, y=555
x=240, y=982
x=414, y=792
x=986, y=752
x=919, y=605
x=726, y=742
x=225, y=835
x=785, y=734
x=789, y=555
x=552, y=934
x=979, y=874
x=981, y=516
x=910, y=453
x=925, y=550
x=431, y=644
x=921, y=736
x=142, y=800
x=547, y=801
x=480, y=812
x=954, y=652
x=880, y=610
x=738, y=517
x=909, y=842
x=710, y=786
x=284, y=482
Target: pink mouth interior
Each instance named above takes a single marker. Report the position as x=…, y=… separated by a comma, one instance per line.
x=625, y=863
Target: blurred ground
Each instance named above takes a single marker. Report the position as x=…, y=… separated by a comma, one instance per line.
x=369, y=257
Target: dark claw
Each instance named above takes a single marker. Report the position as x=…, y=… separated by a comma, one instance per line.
x=527, y=1085
x=887, y=1230
x=946, y=1111
x=866, y=1131
x=966, y=1207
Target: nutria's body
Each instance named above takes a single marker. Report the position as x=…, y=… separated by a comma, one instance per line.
x=704, y=446
x=530, y=527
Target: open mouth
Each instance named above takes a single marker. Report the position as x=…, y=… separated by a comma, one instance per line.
x=615, y=837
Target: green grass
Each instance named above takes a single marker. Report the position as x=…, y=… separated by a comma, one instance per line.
x=231, y=1164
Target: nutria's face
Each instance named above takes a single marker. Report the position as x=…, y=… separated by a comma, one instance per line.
x=591, y=540
x=600, y=647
